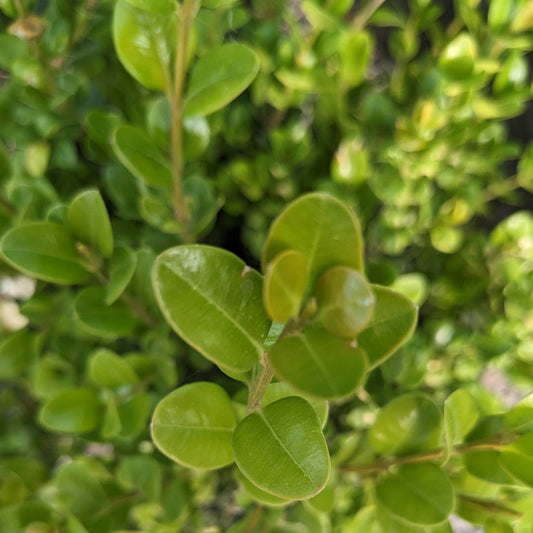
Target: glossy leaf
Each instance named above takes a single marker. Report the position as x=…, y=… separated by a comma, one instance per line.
x=517, y=459
x=213, y=301
x=322, y=229
x=317, y=363
x=121, y=270
x=143, y=42
x=408, y=424
x=44, y=251
x=391, y=325
x=419, y=494
x=100, y=319
x=89, y=221
x=345, y=301
x=281, y=449
x=75, y=410
x=193, y=425
x=141, y=156
x=457, y=60
x=218, y=77
x=107, y=369
x=278, y=390
x=284, y=285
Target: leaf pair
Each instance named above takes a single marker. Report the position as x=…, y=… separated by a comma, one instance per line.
x=279, y=448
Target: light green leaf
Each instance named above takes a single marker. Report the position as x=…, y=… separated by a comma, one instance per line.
x=419, y=494
x=89, y=221
x=486, y=465
x=392, y=323
x=317, y=363
x=413, y=286
x=213, y=301
x=520, y=417
x=141, y=473
x=121, y=270
x=107, y=369
x=50, y=375
x=284, y=285
x=133, y=414
x=217, y=4
x=219, y=76
x=322, y=229
x=408, y=424
x=460, y=416
x=18, y=351
x=355, y=50
x=144, y=43
x=193, y=425
x=457, y=61
x=517, y=459
x=75, y=410
x=113, y=320
x=345, y=301
x=141, y=156
x=44, y=251
x=281, y=449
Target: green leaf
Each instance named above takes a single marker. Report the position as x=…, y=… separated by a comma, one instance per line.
x=144, y=43
x=278, y=390
x=458, y=59
x=317, y=363
x=520, y=417
x=486, y=465
x=345, y=301
x=107, y=369
x=355, y=50
x=141, y=156
x=121, y=270
x=18, y=351
x=419, y=494
x=259, y=495
x=5, y=165
x=213, y=301
x=162, y=7
x=392, y=323
x=193, y=425
x=89, y=221
x=460, y=416
x=141, y=473
x=113, y=320
x=408, y=424
x=281, y=449
x=322, y=229
x=284, y=285
x=44, y=251
x=75, y=410
x=133, y=413
x=50, y=375
x=219, y=76
x=517, y=459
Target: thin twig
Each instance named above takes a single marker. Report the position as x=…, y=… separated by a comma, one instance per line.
x=360, y=20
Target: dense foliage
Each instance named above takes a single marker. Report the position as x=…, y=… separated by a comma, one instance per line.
x=220, y=223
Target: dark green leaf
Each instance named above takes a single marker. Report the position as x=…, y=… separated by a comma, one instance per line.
x=220, y=75
x=517, y=459
x=18, y=351
x=113, y=320
x=140, y=155
x=45, y=251
x=121, y=270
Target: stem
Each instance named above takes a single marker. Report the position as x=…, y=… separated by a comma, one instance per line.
x=491, y=506
x=360, y=20
x=493, y=443
x=186, y=15
x=258, y=386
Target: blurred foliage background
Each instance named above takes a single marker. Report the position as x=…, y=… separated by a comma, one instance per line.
x=415, y=112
